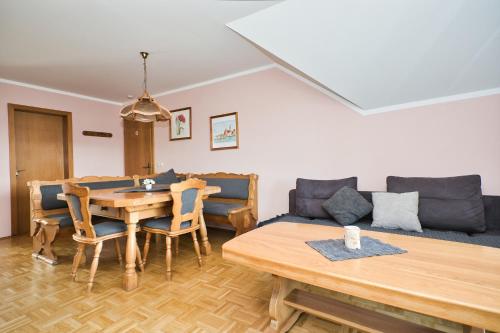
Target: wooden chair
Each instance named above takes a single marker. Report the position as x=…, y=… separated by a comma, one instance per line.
x=187, y=197
x=88, y=234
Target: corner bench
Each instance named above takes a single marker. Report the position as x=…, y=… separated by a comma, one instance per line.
x=236, y=205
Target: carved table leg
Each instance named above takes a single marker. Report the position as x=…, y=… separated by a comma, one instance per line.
x=130, y=276
x=282, y=316
x=206, y=248
x=37, y=240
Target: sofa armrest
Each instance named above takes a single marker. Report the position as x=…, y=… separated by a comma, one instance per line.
x=291, y=202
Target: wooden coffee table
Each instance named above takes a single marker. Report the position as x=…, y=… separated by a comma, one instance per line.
x=455, y=281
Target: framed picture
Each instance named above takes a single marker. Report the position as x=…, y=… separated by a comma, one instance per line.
x=224, y=131
x=180, y=124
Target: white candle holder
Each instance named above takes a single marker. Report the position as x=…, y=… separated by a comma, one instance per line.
x=352, y=238
x=148, y=184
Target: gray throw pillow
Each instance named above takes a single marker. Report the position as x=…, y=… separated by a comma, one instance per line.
x=167, y=177
x=311, y=194
x=347, y=206
x=449, y=203
x=396, y=211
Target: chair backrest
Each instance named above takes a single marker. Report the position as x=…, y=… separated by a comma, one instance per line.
x=187, y=197
x=78, y=203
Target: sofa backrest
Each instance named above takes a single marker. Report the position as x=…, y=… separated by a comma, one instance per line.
x=491, y=207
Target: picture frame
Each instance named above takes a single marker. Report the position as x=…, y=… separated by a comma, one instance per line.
x=224, y=131
x=180, y=124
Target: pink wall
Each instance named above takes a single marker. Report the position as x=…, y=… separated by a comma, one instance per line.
x=92, y=156
x=290, y=130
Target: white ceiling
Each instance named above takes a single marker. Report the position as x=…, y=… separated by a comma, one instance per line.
x=91, y=47
x=386, y=52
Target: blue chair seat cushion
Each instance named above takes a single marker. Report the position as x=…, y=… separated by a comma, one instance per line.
x=164, y=223
x=64, y=219
x=109, y=227
x=219, y=208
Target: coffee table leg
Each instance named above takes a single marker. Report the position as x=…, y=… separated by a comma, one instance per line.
x=206, y=248
x=469, y=329
x=282, y=316
x=130, y=277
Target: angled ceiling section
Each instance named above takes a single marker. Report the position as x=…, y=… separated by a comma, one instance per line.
x=382, y=53
x=91, y=47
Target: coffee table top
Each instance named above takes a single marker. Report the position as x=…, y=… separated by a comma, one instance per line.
x=456, y=281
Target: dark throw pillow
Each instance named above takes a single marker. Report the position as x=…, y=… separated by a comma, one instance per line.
x=347, y=206
x=311, y=194
x=168, y=177
x=451, y=203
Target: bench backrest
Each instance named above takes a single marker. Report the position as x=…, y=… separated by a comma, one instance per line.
x=235, y=188
x=43, y=194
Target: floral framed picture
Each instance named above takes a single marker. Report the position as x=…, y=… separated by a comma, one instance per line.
x=224, y=131
x=180, y=124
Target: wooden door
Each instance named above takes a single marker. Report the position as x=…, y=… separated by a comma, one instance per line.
x=39, y=143
x=139, y=148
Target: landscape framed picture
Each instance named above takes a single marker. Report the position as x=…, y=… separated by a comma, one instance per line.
x=224, y=131
x=180, y=124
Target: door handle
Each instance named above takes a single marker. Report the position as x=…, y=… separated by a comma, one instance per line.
x=21, y=170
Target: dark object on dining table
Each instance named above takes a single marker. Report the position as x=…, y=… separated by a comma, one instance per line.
x=155, y=188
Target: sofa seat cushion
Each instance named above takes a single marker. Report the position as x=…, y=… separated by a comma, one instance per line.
x=164, y=223
x=450, y=203
x=488, y=238
x=311, y=194
x=109, y=227
x=64, y=219
x=219, y=208
x=491, y=239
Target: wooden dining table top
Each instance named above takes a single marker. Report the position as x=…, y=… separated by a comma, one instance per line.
x=110, y=198
x=455, y=281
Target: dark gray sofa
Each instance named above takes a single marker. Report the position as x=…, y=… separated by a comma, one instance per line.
x=489, y=238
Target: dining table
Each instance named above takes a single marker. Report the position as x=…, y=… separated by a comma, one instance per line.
x=131, y=207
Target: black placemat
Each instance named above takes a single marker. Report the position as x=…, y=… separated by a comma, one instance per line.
x=335, y=249
x=156, y=188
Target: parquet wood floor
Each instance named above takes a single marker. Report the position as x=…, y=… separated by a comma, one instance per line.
x=219, y=297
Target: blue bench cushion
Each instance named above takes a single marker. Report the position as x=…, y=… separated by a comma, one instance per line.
x=164, y=223
x=231, y=188
x=49, y=197
x=109, y=227
x=219, y=208
x=108, y=184
x=65, y=219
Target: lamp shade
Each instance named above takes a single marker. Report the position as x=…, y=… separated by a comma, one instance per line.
x=145, y=109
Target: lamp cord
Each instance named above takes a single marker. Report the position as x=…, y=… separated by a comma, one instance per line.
x=145, y=77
